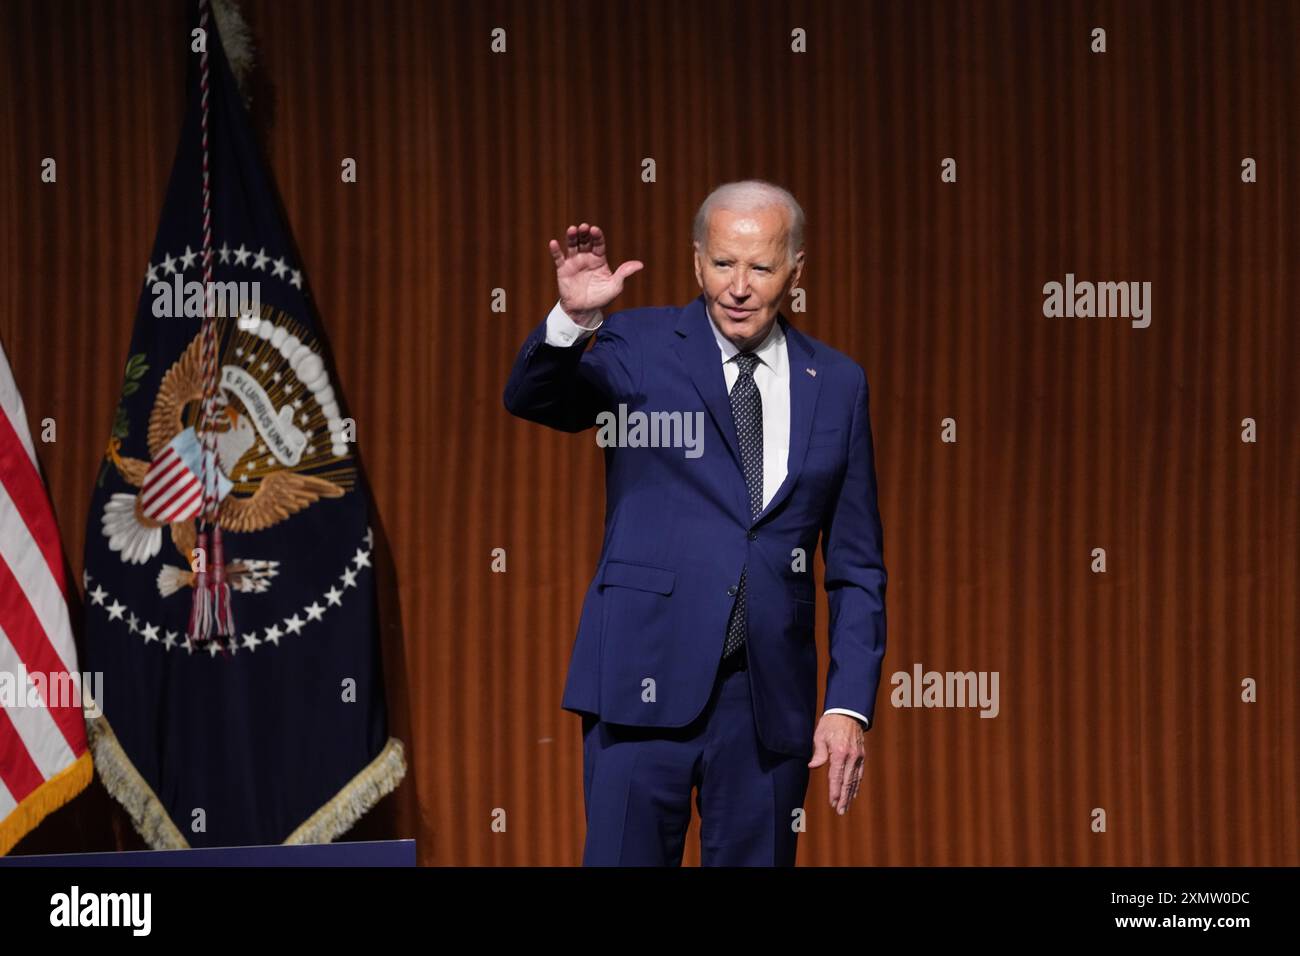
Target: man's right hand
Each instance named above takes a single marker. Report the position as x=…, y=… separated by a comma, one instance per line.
x=582, y=273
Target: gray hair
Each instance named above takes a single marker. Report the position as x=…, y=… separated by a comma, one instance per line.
x=750, y=195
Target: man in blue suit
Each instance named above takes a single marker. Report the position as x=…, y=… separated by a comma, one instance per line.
x=733, y=442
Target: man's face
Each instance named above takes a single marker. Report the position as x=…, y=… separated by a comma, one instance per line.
x=744, y=272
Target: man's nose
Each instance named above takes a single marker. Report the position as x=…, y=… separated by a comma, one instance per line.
x=740, y=285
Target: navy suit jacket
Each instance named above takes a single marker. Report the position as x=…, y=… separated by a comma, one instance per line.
x=678, y=529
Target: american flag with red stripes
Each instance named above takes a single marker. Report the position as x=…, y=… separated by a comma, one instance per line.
x=44, y=761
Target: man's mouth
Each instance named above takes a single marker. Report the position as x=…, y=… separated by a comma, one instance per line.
x=737, y=313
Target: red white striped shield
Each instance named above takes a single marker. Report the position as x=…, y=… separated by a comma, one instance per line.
x=172, y=490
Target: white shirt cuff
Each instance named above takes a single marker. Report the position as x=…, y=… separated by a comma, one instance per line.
x=562, y=331
x=852, y=713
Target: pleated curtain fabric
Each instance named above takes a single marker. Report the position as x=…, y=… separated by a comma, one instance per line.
x=1009, y=446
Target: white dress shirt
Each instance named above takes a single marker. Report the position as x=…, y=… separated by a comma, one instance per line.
x=771, y=375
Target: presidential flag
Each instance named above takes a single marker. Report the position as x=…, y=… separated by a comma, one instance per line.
x=44, y=762
x=229, y=573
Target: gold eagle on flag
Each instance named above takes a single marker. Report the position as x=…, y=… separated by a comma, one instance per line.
x=170, y=492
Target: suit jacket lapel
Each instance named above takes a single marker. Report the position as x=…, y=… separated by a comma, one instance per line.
x=698, y=351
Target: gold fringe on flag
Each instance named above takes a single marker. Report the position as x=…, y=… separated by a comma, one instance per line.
x=150, y=819
x=362, y=792
x=44, y=800
x=125, y=785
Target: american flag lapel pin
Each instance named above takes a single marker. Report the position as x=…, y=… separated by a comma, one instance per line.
x=811, y=371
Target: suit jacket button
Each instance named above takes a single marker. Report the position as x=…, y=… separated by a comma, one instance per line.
x=753, y=535
x=732, y=590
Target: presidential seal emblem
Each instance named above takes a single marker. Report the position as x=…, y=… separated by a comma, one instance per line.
x=281, y=446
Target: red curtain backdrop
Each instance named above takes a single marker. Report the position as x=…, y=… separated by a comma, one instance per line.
x=1119, y=691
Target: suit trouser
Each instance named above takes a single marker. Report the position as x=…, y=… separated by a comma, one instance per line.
x=637, y=784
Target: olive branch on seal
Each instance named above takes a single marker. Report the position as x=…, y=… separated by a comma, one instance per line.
x=135, y=369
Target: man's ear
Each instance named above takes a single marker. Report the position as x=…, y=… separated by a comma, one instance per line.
x=699, y=273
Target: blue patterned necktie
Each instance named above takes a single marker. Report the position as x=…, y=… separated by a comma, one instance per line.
x=747, y=409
